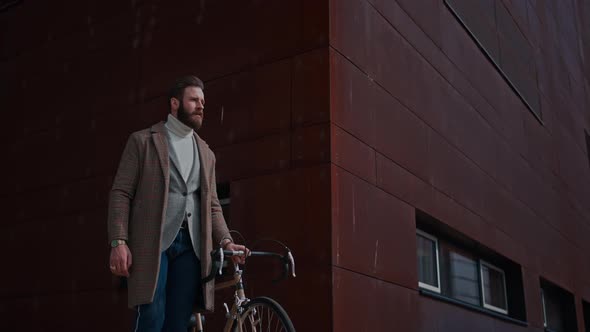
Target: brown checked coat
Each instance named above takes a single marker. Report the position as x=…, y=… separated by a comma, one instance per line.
x=137, y=209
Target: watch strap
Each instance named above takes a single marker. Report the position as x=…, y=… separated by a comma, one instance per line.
x=116, y=243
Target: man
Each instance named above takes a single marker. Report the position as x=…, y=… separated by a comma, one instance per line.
x=165, y=217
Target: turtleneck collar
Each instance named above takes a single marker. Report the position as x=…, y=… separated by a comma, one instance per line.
x=177, y=127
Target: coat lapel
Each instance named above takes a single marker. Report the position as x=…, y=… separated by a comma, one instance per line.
x=205, y=163
x=205, y=220
x=161, y=144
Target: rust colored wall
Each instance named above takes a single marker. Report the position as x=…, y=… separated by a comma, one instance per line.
x=420, y=118
x=332, y=122
x=79, y=76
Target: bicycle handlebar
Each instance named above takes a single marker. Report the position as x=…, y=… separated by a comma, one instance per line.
x=218, y=256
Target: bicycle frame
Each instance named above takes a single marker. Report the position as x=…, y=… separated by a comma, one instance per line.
x=232, y=315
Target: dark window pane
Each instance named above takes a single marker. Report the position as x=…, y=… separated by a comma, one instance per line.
x=494, y=287
x=554, y=316
x=459, y=274
x=427, y=271
x=559, y=308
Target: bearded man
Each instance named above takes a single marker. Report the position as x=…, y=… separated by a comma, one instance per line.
x=165, y=217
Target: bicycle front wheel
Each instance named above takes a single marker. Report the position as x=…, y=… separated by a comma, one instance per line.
x=264, y=314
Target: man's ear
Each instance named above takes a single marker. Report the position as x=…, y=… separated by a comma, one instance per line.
x=174, y=103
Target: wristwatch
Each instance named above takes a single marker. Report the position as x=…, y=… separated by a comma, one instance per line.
x=116, y=243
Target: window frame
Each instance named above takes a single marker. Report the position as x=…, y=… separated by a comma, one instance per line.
x=425, y=285
x=483, y=294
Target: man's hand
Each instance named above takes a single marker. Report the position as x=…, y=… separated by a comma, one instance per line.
x=237, y=247
x=120, y=260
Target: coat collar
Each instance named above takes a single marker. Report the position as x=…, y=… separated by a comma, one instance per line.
x=158, y=127
x=161, y=144
x=203, y=148
x=158, y=132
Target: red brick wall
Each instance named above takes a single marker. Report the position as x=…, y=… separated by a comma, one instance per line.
x=420, y=118
x=79, y=76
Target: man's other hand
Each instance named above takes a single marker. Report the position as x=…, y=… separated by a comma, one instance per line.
x=120, y=261
x=238, y=247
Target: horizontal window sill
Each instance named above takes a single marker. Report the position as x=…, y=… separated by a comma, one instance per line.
x=472, y=307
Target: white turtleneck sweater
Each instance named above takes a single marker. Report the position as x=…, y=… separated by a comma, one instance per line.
x=182, y=141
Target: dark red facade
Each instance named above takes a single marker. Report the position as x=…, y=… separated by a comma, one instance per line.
x=421, y=119
x=332, y=122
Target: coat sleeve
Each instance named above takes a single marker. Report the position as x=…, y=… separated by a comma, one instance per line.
x=220, y=230
x=123, y=191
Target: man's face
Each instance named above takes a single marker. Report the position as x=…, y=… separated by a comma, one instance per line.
x=190, y=111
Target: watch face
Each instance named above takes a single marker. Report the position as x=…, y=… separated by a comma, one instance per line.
x=114, y=243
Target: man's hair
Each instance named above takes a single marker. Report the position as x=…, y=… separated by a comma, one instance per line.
x=177, y=90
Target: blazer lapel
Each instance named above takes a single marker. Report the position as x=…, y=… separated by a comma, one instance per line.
x=176, y=162
x=196, y=161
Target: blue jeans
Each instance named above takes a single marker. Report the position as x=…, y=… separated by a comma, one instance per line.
x=177, y=290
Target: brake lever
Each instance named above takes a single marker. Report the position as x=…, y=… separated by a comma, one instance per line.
x=287, y=260
x=221, y=257
x=292, y=260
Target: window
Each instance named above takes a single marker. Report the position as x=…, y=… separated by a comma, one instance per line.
x=493, y=282
x=428, y=276
x=559, y=312
x=491, y=26
x=460, y=275
x=456, y=269
x=464, y=277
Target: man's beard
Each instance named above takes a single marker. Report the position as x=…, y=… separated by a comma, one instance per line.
x=187, y=119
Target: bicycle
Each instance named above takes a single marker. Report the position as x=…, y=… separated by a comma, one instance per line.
x=258, y=314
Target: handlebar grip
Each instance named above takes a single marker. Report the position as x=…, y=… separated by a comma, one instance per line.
x=233, y=253
x=227, y=253
x=217, y=259
x=218, y=256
